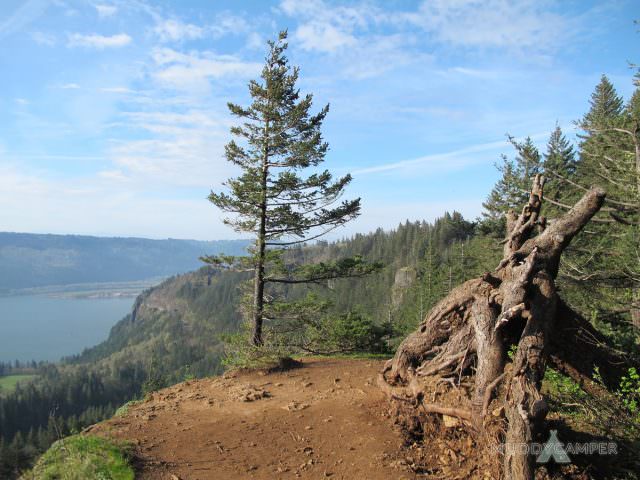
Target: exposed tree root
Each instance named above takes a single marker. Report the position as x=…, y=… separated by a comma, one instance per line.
x=515, y=304
x=449, y=411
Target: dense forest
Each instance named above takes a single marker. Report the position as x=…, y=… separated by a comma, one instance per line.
x=176, y=330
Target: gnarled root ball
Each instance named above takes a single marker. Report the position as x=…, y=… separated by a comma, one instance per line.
x=453, y=381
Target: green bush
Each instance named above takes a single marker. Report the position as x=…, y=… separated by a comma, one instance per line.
x=352, y=332
x=124, y=409
x=239, y=352
x=629, y=392
x=82, y=457
x=324, y=334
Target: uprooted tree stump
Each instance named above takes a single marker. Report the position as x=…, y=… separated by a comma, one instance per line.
x=465, y=338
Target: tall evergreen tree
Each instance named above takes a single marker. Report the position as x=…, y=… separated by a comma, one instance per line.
x=510, y=192
x=273, y=199
x=605, y=104
x=598, y=140
x=559, y=163
x=601, y=267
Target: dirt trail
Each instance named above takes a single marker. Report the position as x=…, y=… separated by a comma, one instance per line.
x=324, y=420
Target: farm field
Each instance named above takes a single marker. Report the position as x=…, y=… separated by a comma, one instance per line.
x=8, y=382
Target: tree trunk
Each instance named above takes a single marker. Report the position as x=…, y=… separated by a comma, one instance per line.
x=261, y=241
x=516, y=304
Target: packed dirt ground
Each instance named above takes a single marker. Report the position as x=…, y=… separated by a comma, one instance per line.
x=326, y=419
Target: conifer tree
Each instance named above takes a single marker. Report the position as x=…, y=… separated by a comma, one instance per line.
x=559, y=163
x=511, y=189
x=601, y=267
x=282, y=198
x=605, y=104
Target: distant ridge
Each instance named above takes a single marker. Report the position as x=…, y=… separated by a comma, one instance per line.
x=30, y=260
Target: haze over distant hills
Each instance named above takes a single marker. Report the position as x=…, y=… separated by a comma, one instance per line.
x=36, y=260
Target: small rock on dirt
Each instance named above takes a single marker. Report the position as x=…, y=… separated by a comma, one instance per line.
x=449, y=422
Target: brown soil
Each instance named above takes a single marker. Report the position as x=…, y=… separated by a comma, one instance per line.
x=327, y=419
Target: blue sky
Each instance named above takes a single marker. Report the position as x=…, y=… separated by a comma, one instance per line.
x=113, y=112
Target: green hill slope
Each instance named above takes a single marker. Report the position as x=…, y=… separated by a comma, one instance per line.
x=174, y=331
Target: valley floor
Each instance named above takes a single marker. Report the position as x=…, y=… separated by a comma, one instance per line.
x=327, y=419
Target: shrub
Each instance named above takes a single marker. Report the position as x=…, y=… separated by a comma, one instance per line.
x=629, y=392
x=81, y=457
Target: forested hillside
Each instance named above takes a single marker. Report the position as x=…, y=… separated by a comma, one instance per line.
x=174, y=331
x=33, y=260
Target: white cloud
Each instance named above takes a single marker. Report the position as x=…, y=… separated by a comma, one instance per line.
x=227, y=24
x=22, y=16
x=350, y=36
x=449, y=160
x=44, y=39
x=185, y=149
x=67, y=9
x=21, y=101
x=323, y=36
x=175, y=30
x=371, y=40
x=116, y=90
x=474, y=72
x=194, y=70
x=69, y=86
x=255, y=41
x=116, y=175
x=327, y=28
x=347, y=17
x=105, y=10
x=378, y=54
x=98, y=41
x=68, y=205
x=512, y=25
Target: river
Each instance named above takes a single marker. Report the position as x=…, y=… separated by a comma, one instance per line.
x=36, y=327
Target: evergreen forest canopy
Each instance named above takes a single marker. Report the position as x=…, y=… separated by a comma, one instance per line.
x=177, y=330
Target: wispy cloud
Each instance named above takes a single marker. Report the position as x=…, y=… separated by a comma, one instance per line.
x=513, y=25
x=453, y=159
x=23, y=16
x=227, y=23
x=194, y=70
x=97, y=41
x=448, y=160
x=179, y=148
x=67, y=205
x=519, y=26
x=44, y=39
x=326, y=28
x=105, y=10
x=254, y=41
x=350, y=35
x=69, y=86
x=116, y=175
x=323, y=36
x=81, y=158
x=175, y=30
x=116, y=90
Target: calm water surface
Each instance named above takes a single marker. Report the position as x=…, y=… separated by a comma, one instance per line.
x=43, y=328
